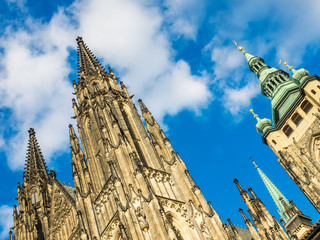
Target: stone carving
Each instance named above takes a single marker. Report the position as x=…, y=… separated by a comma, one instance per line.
x=142, y=219
x=179, y=208
x=204, y=229
x=158, y=175
x=112, y=230
x=316, y=149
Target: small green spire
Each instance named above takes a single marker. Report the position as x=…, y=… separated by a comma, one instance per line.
x=263, y=124
x=299, y=75
x=276, y=195
x=275, y=84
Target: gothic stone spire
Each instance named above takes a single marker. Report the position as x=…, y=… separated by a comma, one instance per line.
x=87, y=61
x=35, y=165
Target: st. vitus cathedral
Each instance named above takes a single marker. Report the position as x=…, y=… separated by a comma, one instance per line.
x=129, y=183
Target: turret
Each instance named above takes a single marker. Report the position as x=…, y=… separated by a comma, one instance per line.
x=298, y=76
x=262, y=124
x=275, y=84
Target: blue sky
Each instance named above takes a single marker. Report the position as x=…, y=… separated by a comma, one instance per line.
x=178, y=56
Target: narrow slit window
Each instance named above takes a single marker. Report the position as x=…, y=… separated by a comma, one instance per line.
x=306, y=106
x=274, y=142
x=282, y=79
x=34, y=197
x=297, y=119
x=313, y=91
x=287, y=130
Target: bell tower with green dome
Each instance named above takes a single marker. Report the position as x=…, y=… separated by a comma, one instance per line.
x=276, y=85
x=294, y=134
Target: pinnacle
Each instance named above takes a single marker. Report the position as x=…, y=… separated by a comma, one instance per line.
x=72, y=133
x=143, y=106
x=86, y=60
x=79, y=39
x=241, y=190
x=35, y=163
x=31, y=132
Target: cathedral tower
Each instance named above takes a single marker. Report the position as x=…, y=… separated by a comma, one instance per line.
x=46, y=208
x=129, y=181
x=295, y=133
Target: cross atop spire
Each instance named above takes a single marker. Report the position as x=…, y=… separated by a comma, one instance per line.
x=86, y=60
x=35, y=164
x=279, y=199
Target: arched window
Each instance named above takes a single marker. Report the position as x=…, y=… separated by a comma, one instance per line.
x=34, y=196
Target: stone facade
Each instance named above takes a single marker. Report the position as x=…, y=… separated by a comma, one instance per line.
x=297, y=142
x=294, y=135
x=129, y=182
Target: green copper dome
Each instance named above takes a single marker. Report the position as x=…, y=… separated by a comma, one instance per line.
x=277, y=85
x=263, y=124
x=298, y=76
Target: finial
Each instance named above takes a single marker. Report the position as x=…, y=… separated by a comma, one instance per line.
x=254, y=163
x=262, y=125
x=79, y=39
x=31, y=131
x=287, y=65
x=240, y=48
x=256, y=116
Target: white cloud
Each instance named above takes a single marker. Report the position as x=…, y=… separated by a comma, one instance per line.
x=127, y=34
x=236, y=100
x=184, y=16
x=178, y=89
x=20, y=4
x=285, y=28
x=133, y=41
x=226, y=60
x=34, y=86
x=6, y=221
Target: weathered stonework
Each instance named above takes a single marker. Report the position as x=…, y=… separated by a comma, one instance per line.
x=129, y=182
x=299, y=152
